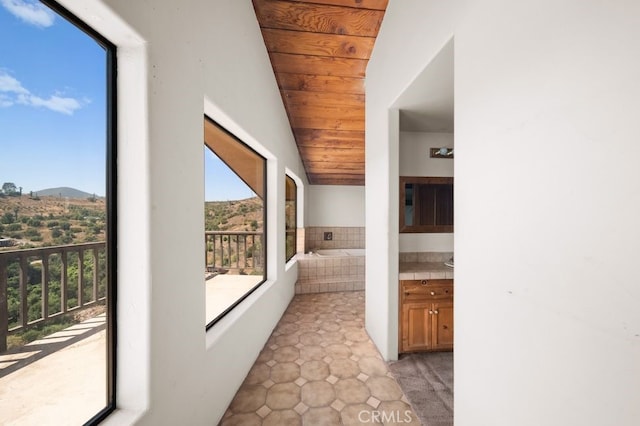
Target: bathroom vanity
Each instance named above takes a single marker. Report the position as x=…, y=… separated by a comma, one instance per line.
x=426, y=307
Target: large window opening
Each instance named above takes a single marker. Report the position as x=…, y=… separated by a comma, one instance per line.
x=234, y=212
x=57, y=223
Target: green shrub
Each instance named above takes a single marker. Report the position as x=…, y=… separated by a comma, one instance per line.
x=31, y=232
x=53, y=224
x=36, y=223
x=7, y=218
x=14, y=227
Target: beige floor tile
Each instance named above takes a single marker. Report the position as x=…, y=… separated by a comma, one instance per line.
x=358, y=415
x=248, y=399
x=373, y=366
x=384, y=388
x=283, y=396
x=352, y=391
x=314, y=370
x=285, y=372
x=286, y=354
x=344, y=368
x=317, y=394
x=325, y=416
x=282, y=418
x=319, y=367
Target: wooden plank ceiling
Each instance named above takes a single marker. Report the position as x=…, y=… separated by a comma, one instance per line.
x=319, y=51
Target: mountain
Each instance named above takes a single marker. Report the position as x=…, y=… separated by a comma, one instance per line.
x=63, y=192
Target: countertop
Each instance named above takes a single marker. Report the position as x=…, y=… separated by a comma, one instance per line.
x=424, y=270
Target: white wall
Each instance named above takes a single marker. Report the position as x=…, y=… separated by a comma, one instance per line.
x=547, y=288
x=177, y=61
x=335, y=205
x=414, y=154
x=415, y=161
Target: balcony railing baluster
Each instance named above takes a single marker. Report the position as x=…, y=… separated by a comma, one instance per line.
x=26, y=259
x=220, y=252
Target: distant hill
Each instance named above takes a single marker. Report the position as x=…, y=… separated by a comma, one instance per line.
x=63, y=192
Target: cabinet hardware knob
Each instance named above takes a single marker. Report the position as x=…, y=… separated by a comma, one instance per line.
x=433, y=293
x=430, y=312
x=435, y=312
x=423, y=282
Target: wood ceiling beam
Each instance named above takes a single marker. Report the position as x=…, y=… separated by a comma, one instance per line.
x=329, y=138
x=319, y=51
x=320, y=99
x=318, y=65
x=331, y=179
x=326, y=111
x=314, y=44
x=320, y=83
x=359, y=4
x=326, y=123
x=337, y=154
x=317, y=18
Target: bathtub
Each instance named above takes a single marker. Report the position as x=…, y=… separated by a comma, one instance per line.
x=339, y=252
x=325, y=270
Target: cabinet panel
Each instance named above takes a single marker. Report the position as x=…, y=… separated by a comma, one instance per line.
x=426, y=315
x=416, y=327
x=442, y=325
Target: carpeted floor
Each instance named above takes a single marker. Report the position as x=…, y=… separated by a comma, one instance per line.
x=427, y=380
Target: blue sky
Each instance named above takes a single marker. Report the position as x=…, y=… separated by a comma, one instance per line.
x=52, y=101
x=222, y=184
x=53, y=107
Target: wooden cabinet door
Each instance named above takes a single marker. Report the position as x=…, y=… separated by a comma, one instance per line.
x=442, y=325
x=416, y=327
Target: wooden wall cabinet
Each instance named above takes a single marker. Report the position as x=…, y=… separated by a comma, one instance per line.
x=426, y=315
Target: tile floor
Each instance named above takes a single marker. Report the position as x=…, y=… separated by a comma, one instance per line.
x=319, y=367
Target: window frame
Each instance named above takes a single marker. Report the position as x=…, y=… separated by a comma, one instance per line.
x=422, y=228
x=111, y=192
x=294, y=230
x=215, y=320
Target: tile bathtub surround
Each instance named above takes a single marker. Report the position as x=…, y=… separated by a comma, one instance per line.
x=319, y=367
x=323, y=274
x=300, y=240
x=343, y=237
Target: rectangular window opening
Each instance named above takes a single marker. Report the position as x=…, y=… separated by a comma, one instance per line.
x=291, y=206
x=234, y=214
x=57, y=219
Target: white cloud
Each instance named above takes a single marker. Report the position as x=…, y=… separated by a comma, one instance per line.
x=5, y=101
x=55, y=103
x=31, y=12
x=10, y=84
x=12, y=92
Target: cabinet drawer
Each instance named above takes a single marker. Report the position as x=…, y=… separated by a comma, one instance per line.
x=415, y=290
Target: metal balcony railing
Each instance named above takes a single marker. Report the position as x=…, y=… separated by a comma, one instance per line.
x=240, y=251
x=40, y=284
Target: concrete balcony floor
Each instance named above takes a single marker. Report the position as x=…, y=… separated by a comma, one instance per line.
x=61, y=379
x=57, y=380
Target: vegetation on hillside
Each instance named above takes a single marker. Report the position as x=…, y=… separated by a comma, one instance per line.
x=33, y=221
x=238, y=215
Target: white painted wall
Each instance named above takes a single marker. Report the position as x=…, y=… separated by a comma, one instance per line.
x=335, y=205
x=547, y=288
x=177, y=61
x=414, y=154
x=415, y=161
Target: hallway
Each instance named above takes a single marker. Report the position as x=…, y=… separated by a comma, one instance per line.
x=319, y=367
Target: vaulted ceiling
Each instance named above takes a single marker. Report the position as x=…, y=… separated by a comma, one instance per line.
x=319, y=51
